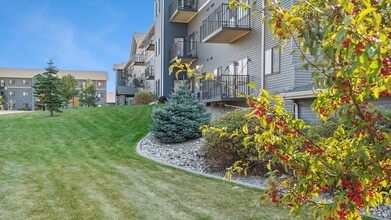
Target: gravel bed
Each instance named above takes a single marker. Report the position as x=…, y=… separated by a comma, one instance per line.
x=189, y=155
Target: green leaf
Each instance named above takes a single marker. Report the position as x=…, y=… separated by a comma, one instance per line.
x=341, y=35
x=361, y=16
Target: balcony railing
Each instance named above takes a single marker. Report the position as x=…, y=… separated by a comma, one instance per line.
x=149, y=43
x=185, y=50
x=139, y=60
x=182, y=11
x=225, y=25
x=225, y=88
x=149, y=73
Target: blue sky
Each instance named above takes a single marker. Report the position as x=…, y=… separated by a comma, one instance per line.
x=75, y=34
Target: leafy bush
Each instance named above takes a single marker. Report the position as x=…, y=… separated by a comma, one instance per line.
x=225, y=151
x=162, y=99
x=181, y=119
x=323, y=129
x=143, y=98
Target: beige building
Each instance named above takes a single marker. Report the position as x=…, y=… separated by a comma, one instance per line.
x=16, y=86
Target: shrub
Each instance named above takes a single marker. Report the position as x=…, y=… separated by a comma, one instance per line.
x=181, y=119
x=162, y=99
x=223, y=152
x=143, y=98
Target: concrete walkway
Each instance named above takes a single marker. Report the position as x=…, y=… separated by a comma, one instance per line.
x=6, y=112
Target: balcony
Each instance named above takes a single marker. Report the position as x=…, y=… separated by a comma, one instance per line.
x=182, y=11
x=139, y=60
x=226, y=25
x=149, y=43
x=225, y=88
x=184, y=50
x=149, y=73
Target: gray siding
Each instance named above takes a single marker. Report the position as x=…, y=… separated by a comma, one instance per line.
x=18, y=98
x=305, y=111
x=213, y=55
x=384, y=103
x=278, y=82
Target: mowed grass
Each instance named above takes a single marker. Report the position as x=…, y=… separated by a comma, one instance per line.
x=83, y=165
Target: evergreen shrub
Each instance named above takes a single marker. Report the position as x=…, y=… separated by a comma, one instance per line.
x=180, y=120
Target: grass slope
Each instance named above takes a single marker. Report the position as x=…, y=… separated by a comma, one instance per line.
x=83, y=165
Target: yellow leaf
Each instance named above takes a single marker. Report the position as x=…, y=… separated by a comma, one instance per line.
x=287, y=183
x=209, y=76
x=251, y=85
x=245, y=129
x=268, y=166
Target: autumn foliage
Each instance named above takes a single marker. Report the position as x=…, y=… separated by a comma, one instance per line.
x=347, y=45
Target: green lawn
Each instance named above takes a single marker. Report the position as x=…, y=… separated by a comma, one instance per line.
x=83, y=165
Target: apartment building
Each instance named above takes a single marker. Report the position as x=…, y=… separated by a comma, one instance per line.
x=16, y=86
x=233, y=46
x=137, y=74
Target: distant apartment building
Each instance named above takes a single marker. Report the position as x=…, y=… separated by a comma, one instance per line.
x=16, y=86
x=236, y=48
x=137, y=74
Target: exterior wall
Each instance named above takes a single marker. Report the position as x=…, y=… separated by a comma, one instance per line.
x=23, y=94
x=284, y=80
x=214, y=55
x=305, y=111
x=19, y=99
x=165, y=32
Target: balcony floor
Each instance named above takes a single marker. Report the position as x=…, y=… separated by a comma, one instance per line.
x=226, y=35
x=184, y=59
x=224, y=99
x=183, y=16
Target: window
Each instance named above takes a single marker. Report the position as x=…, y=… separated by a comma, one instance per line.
x=25, y=82
x=272, y=60
x=157, y=7
x=100, y=95
x=218, y=71
x=83, y=84
x=25, y=93
x=100, y=84
x=276, y=60
x=12, y=93
x=2, y=83
x=11, y=81
x=158, y=47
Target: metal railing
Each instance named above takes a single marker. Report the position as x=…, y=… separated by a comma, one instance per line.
x=149, y=72
x=185, y=5
x=139, y=58
x=225, y=87
x=149, y=41
x=183, y=49
x=225, y=17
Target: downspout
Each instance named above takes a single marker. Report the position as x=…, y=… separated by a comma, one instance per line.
x=263, y=49
x=296, y=109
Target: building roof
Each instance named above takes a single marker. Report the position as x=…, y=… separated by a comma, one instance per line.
x=110, y=97
x=126, y=90
x=118, y=66
x=139, y=38
x=30, y=73
x=309, y=90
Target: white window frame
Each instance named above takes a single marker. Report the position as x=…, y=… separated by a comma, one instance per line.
x=11, y=81
x=25, y=93
x=100, y=84
x=25, y=82
x=12, y=93
x=271, y=65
